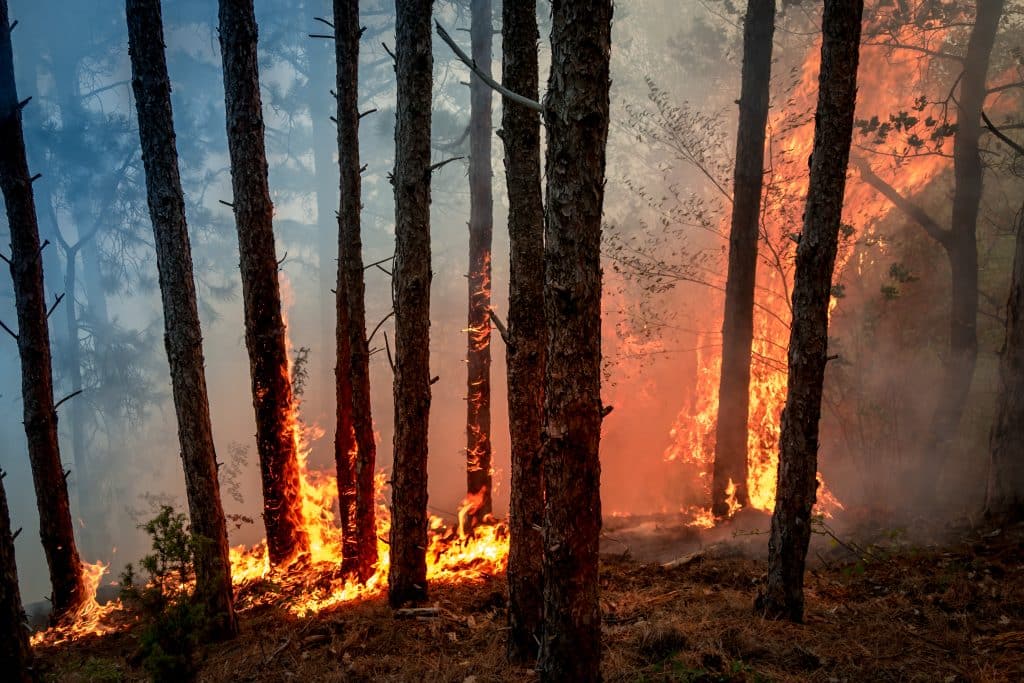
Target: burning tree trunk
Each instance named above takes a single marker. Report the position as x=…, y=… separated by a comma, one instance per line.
x=264, y=325
x=183, y=335
x=40, y=414
x=962, y=247
x=526, y=331
x=1006, y=472
x=808, y=342
x=576, y=115
x=414, y=63
x=353, y=371
x=738, y=326
x=481, y=226
x=15, y=652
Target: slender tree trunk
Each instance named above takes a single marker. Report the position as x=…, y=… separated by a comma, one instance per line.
x=414, y=63
x=481, y=226
x=361, y=539
x=738, y=324
x=1005, y=497
x=264, y=325
x=962, y=246
x=55, y=525
x=576, y=115
x=527, y=333
x=15, y=652
x=812, y=285
x=182, y=332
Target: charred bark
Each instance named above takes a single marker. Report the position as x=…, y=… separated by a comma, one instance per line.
x=481, y=227
x=15, y=652
x=808, y=341
x=55, y=525
x=264, y=326
x=182, y=332
x=576, y=116
x=1005, y=496
x=520, y=132
x=360, y=534
x=414, y=63
x=962, y=247
x=738, y=323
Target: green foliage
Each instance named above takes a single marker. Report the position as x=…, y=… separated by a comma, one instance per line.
x=172, y=621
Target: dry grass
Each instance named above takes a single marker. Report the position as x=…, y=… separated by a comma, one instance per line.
x=939, y=613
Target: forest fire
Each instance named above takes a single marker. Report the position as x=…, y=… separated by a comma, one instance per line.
x=907, y=164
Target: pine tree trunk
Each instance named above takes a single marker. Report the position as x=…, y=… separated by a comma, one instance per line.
x=264, y=325
x=414, y=63
x=182, y=332
x=481, y=226
x=361, y=539
x=576, y=115
x=15, y=652
x=962, y=244
x=40, y=416
x=812, y=285
x=1005, y=498
x=520, y=131
x=738, y=324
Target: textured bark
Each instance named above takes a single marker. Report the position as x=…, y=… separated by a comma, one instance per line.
x=576, y=116
x=40, y=417
x=962, y=245
x=182, y=333
x=264, y=325
x=353, y=372
x=738, y=324
x=15, y=652
x=808, y=341
x=414, y=63
x=481, y=227
x=1005, y=498
x=520, y=131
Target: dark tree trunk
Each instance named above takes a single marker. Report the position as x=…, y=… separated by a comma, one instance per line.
x=353, y=371
x=182, y=333
x=55, y=525
x=264, y=325
x=576, y=116
x=481, y=226
x=962, y=244
x=520, y=131
x=812, y=285
x=738, y=324
x=15, y=652
x=414, y=64
x=1005, y=497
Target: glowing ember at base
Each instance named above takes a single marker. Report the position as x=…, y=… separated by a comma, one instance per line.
x=91, y=619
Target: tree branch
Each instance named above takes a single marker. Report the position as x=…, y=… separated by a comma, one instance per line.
x=60, y=297
x=383, y=320
x=1013, y=144
x=500, y=326
x=8, y=330
x=494, y=85
x=442, y=164
x=66, y=398
x=934, y=230
x=377, y=263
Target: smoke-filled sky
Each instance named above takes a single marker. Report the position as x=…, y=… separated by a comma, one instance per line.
x=675, y=73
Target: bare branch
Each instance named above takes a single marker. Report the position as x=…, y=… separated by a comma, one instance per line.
x=387, y=347
x=70, y=396
x=383, y=320
x=934, y=230
x=388, y=50
x=442, y=164
x=320, y=35
x=494, y=85
x=8, y=330
x=500, y=326
x=228, y=204
x=367, y=112
x=325, y=22
x=377, y=263
x=57, y=300
x=1013, y=144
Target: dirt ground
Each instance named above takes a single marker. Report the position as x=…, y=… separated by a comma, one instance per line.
x=677, y=606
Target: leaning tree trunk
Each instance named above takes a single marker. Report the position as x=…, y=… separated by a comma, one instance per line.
x=182, y=333
x=40, y=415
x=1005, y=498
x=520, y=131
x=738, y=325
x=576, y=116
x=360, y=534
x=15, y=652
x=264, y=325
x=812, y=285
x=414, y=63
x=481, y=226
x=962, y=246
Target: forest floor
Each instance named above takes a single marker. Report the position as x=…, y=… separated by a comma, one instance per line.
x=677, y=606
